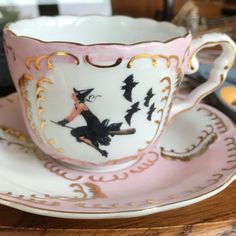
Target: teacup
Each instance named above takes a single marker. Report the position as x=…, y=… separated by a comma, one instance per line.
x=96, y=92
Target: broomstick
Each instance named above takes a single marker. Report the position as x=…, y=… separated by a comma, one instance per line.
x=119, y=132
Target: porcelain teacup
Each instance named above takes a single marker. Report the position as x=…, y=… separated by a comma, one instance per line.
x=97, y=92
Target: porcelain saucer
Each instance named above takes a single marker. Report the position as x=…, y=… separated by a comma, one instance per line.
x=194, y=159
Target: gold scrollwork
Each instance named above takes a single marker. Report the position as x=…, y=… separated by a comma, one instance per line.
x=145, y=165
x=154, y=58
x=95, y=189
x=55, y=201
x=32, y=199
x=231, y=148
x=40, y=90
x=218, y=122
x=186, y=155
x=55, y=168
x=118, y=61
x=37, y=60
x=23, y=82
x=142, y=166
x=112, y=178
x=19, y=137
x=164, y=100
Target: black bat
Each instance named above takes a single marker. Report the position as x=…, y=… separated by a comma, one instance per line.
x=128, y=87
x=134, y=108
x=152, y=108
x=148, y=97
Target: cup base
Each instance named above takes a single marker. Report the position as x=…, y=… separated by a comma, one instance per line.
x=101, y=169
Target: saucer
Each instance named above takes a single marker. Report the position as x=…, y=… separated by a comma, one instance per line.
x=194, y=160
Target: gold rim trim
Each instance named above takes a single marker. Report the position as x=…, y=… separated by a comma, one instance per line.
x=7, y=30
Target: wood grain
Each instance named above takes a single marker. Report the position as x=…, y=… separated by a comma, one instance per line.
x=148, y=8
x=136, y=8
x=214, y=216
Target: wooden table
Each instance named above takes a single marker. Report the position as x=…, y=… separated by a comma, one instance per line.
x=213, y=217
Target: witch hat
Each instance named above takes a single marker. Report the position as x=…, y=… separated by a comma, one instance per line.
x=82, y=94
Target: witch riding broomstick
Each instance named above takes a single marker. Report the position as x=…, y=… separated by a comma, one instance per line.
x=96, y=133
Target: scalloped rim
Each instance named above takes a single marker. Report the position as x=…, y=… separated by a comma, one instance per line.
x=7, y=29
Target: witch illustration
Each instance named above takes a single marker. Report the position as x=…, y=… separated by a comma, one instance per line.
x=95, y=133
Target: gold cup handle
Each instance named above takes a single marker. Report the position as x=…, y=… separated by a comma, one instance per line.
x=218, y=74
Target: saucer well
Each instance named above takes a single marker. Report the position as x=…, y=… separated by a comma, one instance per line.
x=194, y=159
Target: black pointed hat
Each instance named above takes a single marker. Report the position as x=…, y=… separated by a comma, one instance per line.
x=82, y=94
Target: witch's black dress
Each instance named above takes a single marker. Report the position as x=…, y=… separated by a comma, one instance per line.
x=95, y=131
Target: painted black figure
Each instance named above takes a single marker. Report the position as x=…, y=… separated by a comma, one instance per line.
x=96, y=133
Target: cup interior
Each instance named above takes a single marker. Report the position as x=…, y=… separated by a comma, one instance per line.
x=96, y=29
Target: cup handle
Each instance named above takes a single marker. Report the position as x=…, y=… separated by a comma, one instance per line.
x=218, y=73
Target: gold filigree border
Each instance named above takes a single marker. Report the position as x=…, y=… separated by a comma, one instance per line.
x=55, y=200
x=23, y=82
x=38, y=60
x=142, y=166
x=29, y=148
x=185, y=155
x=218, y=122
x=154, y=58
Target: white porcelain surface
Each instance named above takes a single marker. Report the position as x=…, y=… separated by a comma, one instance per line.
x=97, y=29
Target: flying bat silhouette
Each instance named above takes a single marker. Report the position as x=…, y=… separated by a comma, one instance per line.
x=148, y=97
x=134, y=108
x=152, y=108
x=128, y=87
